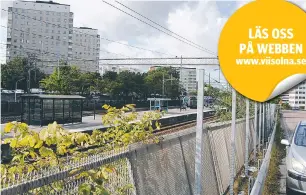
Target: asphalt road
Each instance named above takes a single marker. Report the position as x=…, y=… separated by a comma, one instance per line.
x=289, y=121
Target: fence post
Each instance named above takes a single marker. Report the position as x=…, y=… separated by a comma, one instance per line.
x=247, y=129
x=199, y=133
x=263, y=124
x=255, y=132
x=260, y=127
x=233, y=136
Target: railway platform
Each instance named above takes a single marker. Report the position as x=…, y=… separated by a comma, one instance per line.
x=89, y=123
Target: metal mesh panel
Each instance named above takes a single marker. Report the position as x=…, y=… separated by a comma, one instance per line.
x=160, y=169
x=240, y=145
x=222, y=155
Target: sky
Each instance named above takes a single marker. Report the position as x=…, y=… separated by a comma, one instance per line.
x=198, y=21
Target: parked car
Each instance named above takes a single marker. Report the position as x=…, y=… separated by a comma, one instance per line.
x=19, y=91
x=37, y=91
x=7, y=91
x=296, y=160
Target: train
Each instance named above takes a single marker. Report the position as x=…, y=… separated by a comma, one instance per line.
x=208, y=102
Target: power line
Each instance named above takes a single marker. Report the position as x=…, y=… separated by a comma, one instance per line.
x=103, y=38
x=158, y=28
x=165, y=28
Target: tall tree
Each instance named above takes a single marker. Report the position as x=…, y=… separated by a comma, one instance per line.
x=67, y=81
x=17, y=69
x=170, y=86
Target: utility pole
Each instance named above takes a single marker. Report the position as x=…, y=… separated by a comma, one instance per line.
x=219, y=74
x=164, y=80
x=209, y=79
x=58, y=69
x=163, y=85
x=181, y=69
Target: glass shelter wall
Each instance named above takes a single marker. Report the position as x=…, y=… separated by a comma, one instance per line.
x=43, y=111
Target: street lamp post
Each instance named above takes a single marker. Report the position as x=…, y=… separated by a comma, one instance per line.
x=16, y=88
x=29, y=79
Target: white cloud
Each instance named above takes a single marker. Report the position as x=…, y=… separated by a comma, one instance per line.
x=200, y=22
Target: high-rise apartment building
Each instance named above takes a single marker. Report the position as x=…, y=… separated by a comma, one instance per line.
x=188, y=79
x=297, y=96
x=41, y=29
x=86, y=49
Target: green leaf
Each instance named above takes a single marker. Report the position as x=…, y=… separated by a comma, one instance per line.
x=17, y=158
x=106, y=171
x=46, y=152
x=85, y=189
x=81, y=137
x=61, y=150
x=74, y=171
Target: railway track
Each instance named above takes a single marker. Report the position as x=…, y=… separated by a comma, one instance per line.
x=181, y=126
x=167, y=129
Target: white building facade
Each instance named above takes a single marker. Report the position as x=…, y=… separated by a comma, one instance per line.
x=86, y=49
x=188, y=79
x=42, y=30
x=114, y=68
x=297, y=96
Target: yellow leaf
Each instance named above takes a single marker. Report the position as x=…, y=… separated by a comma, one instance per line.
x=32, y=141
x=8, y=127
x=13, y=143
x=24, y=141
x=39, y=144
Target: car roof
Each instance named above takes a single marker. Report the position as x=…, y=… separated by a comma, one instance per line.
x=303, y=123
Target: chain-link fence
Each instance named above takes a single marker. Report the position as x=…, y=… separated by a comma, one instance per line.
x=165, y=168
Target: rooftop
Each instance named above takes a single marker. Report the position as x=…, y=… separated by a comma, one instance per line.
x=46, y=2
x=82, y=27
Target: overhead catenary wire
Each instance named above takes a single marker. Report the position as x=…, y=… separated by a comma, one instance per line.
x=194, y=46
x=211, y=52
x=103, y=38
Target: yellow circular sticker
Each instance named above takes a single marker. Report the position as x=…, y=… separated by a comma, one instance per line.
x=261, y=44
